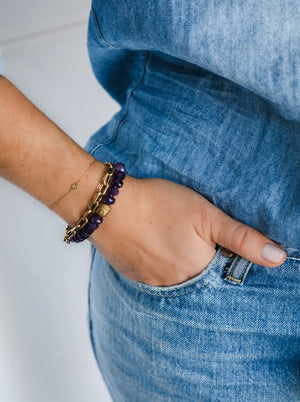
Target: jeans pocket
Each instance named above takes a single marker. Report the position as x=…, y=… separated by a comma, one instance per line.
x=207, y=275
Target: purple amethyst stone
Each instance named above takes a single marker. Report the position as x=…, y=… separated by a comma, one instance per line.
x=89, y=229
x=80, y=236
x=108, y=199
x=119, y=175
x=113, y=191
x=116, y=183
x=75, y=239
x=96, y=220
x=119, y=167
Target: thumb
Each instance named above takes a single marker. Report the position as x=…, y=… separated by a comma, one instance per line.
x=245, y=241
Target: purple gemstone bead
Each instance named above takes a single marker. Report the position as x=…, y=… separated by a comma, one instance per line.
x=113, y=191
x=83, y=234
x=108, y=199
x=119, y=175
x=119, y=167
x=75, y=239
x=96, y=220
x=88, y=229
x=80, y=236
x=93, y=226
x=116, y=183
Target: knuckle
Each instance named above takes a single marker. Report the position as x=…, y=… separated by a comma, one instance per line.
x=204, y=220
x=241, y=237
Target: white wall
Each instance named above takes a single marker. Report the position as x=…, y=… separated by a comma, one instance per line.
x=45, y=350
x=20, y=19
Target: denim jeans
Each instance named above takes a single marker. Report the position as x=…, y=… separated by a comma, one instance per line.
x=229, y=334
x=210, y=99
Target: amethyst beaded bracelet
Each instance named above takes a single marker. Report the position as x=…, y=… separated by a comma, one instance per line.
x=100, y=205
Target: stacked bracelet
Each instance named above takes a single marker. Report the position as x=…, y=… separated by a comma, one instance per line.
x=100, y=205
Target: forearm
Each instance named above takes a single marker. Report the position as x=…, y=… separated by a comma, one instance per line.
x=40, y=158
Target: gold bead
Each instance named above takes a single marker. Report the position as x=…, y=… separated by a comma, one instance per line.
x=103, y=210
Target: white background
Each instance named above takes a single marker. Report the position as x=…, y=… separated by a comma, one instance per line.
x=45, y=350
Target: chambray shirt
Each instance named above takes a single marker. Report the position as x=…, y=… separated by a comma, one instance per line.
x=210, y=98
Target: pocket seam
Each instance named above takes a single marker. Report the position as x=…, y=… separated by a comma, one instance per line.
x=156, y=294
x=176, y=295
x=194, y=282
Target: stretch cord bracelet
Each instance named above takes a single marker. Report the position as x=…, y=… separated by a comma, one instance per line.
x=99, y=206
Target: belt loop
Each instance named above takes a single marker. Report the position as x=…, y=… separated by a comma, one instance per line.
x=237, y=271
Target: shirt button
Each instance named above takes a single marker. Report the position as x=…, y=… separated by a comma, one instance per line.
x=227, y=253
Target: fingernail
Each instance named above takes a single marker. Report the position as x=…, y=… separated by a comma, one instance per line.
x=272, y=253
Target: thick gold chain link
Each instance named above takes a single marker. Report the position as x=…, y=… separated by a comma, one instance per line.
x=101, y=189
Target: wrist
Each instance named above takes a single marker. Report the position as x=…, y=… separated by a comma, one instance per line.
x=119, y=219
x=72, y=207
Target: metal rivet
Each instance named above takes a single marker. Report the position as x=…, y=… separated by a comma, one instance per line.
x=227, y=253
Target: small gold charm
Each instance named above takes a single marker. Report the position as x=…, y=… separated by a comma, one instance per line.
x=103, y=210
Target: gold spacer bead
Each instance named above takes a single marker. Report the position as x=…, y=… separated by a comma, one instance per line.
x=103, y=210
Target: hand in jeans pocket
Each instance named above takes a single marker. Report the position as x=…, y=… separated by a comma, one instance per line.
x=157, y=230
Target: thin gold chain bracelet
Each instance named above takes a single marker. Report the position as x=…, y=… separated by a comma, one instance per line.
x=74, y=186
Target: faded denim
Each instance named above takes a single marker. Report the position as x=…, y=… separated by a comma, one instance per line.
x=230, y=334
x=176, y=116
x=210, y=98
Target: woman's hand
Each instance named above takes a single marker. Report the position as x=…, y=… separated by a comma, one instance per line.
x=162, y=233
x=158, y=232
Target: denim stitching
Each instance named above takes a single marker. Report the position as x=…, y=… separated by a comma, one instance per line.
x=162, y=295
x=139, y=82
x=156, y=314
x=179, y=294
x=232, y=267
x=195, y=284
x=233, y=279
x=90, y=323
x=229, y=275
x=215, y=265
x=243, y=272
x=247, y=267
x=99, y=30
x=93, y=254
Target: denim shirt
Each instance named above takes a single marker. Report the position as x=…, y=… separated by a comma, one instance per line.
x=210, y=98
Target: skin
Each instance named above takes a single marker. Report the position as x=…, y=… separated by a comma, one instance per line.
x=158, y=232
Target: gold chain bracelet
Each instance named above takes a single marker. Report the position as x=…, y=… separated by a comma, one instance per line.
x=101, y=189
x=74, y=186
